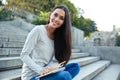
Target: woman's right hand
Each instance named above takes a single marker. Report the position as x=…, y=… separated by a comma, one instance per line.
x=48, y=69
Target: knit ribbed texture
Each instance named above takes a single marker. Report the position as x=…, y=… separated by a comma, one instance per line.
x=38, y=51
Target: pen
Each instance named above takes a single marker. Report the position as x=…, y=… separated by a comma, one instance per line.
x=61, y=64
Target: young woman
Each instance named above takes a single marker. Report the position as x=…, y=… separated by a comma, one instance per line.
x=46, y=41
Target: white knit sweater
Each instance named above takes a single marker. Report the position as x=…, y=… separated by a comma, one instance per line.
x=37, y=52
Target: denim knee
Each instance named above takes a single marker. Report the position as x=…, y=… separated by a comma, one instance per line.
x=64, y=75
x=77, y=66
x=73, y=69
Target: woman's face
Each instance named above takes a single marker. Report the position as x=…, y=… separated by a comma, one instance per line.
x=57, y=18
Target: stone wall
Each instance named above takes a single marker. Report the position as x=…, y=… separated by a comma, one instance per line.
x=105, y=52
x=101, y=38
x=77, y=37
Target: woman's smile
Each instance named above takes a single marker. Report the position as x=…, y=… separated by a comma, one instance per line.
x=57, y=18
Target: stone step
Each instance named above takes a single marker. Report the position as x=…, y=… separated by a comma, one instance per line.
x=3, y=38
x=111, y=73
x=11, y=74
x=18, y=22
x=76, y=46
x=16, y=51
x=89, y=71
x=79, y=55
x=10, y=63
x=7, y=52
x=85, y=60
x=5, y=75
x=11, y=29
x=11, y=44
x=75, y=50
x=14, y=62
x=12, y=38
x=76, y=55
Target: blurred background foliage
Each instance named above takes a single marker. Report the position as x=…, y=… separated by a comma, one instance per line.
x=42, y=8
x=5, y=14
x=118, y=40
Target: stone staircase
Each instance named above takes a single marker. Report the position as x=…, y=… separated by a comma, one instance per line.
x=11, y=42
x=92, y=68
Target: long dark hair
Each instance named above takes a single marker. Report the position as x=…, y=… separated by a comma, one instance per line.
x=62, y=37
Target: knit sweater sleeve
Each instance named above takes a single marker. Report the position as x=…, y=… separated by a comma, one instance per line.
x=27, y=49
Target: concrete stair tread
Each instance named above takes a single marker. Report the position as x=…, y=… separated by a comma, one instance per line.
x=12, y=37
x=111, y=73
x=18, y=70
x=10, y=29
x=82, y=61
x=11, y=44
x=85, y=60
x=75, y=50
x=89, y=71
x=9, y=58
x=10, y=63
x=76, y=55
x=19, y=22
x=79, y=55
x=10, y=74
x=6, y=52
x=83, y=71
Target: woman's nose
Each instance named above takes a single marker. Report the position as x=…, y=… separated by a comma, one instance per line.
x=57, y=19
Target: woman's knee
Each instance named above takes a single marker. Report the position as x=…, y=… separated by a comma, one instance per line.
x=76, y=66
x=64, y=75
x=73, y=69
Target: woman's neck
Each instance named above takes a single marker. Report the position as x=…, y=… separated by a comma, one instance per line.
x=50, y=31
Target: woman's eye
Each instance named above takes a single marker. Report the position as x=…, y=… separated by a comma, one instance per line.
x=55, y=14
x=61, y=18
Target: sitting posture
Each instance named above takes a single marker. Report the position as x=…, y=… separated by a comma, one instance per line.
x=46, y=41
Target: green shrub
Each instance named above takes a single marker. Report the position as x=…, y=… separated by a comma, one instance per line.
x=42, y=19
x=0, y=9
x=6, y=14
x=118, y=40
x=38, y=21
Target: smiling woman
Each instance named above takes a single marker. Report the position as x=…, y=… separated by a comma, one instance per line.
x=46, y=41
x=56, y=21
x=57, y=18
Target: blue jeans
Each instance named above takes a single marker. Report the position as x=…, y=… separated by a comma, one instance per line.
x=71, y=70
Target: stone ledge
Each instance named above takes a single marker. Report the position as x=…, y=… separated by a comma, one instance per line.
x=11, y=44
x=111, y=73
x=89, y=71
x=11, y=74
x=10, y=63
x=7, y=52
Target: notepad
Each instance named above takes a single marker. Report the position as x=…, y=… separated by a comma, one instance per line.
x=54, y=71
